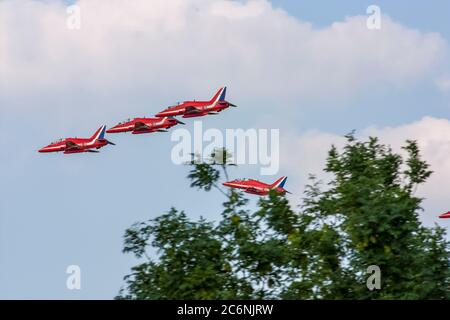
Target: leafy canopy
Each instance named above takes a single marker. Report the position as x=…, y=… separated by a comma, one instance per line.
x=366, y=215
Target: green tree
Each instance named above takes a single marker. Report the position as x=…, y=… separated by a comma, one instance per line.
x=367, y=214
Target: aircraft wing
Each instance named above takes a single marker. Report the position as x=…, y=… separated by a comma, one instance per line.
x=192, y=110
x=70, y=146
x=140, y=126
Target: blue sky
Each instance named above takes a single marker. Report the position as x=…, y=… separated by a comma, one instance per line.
x=295, y=70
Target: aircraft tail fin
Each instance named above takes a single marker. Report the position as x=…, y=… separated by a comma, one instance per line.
x=220, y=95
x=279, y=183
x=99, y=134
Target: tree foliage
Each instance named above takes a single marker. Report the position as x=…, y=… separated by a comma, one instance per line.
x=367, y=214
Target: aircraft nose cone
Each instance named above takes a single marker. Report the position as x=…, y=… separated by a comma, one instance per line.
x=445, y=215
x=113, y=129
x=165, y=113
x=44, y=149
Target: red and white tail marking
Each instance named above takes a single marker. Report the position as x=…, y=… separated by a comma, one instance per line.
x=219, y=96
x=279, y=183
x=99, y=134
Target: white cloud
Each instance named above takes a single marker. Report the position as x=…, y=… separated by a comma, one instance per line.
x=308, y=152
x=156, y=46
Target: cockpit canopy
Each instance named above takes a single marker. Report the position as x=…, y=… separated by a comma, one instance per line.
x=174, y=106
x=58, y=140
x=124, y=121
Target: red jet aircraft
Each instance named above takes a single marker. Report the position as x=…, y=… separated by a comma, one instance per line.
x=256, y=187
x=79, y=145
x=145, y=125
x=190, y=109
x=445, y=215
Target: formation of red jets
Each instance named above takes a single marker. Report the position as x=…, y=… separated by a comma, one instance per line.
x=160, y=123
x=163, y=121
